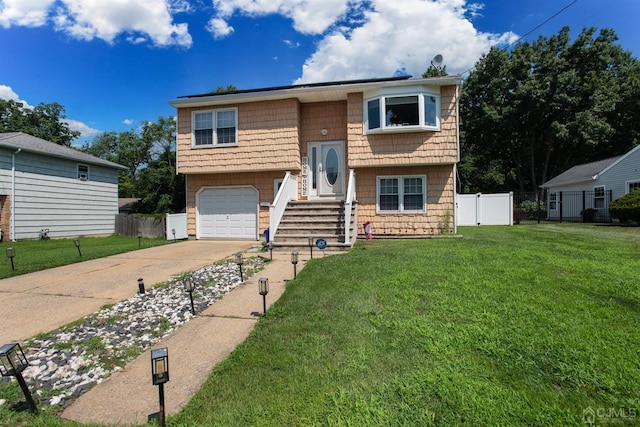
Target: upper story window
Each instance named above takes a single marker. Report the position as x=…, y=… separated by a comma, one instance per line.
x=83, y=172
x=403, y=112
x=216, y=127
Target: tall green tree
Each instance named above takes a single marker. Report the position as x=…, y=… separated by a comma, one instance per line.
x=531, y=113
x=46, y=121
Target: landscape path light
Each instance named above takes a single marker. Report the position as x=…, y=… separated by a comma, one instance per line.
x=189, y=286
x=77, y=243
x=173, y=230
x=311, y=246
x=139, y=237
x=140, y=286
x=11, y=253
x=271, y=251
x=159, y=376
x=263, y=289
x=240, y=261
x=13, y=362
x=294, y=261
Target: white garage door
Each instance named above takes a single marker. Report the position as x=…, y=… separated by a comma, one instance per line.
x=228, y=212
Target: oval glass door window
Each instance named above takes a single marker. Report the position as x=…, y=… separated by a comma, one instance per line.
x=331, y=166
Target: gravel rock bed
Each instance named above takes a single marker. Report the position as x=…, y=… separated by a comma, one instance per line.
x=68, y=362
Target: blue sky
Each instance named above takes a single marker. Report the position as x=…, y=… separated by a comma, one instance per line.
x=115, y=64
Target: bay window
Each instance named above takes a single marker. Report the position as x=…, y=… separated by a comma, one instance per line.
x=410, y=112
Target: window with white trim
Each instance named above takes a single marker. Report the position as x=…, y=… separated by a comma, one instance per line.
x=407, y=112
x=83, y=172
x=215, y=128
x=598, y=197
x=633, y=185
x=403, y=194
x=553, y=201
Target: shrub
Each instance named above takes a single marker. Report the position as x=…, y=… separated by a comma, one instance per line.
x=531, y=209
x=627, y=207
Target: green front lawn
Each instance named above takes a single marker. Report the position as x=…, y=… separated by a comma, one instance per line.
x=527, y=325
x=35, y=255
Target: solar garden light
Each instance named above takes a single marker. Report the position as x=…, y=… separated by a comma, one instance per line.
x=139, y=237
x=311, y=246
x=189, y=286
x=263, y=289
x=140, y=286
x=13, y=362
x=240, y=261
x=271, y=251
x=160, y=375
x=173, y=230
x=11, y=253
x=77, y=243
x=294, y=261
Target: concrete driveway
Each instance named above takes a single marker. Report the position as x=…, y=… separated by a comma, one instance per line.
x=46, y=300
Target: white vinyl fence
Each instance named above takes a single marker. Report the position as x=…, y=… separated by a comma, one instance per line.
x=484, y=209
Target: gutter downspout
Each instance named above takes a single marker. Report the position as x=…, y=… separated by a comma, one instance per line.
x=12, y=222
x=455, y=166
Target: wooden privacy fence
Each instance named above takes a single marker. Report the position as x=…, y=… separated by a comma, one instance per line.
x=130, y=225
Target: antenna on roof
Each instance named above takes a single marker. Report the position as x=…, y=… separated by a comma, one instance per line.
x=436, y=62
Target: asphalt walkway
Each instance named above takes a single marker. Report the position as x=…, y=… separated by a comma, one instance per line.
x=65, y=294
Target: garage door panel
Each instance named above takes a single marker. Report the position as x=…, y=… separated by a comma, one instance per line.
x=228, y=212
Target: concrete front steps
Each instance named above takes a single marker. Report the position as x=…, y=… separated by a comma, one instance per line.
x=318, y=219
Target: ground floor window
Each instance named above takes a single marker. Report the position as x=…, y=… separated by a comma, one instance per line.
x=553, y=201
x=402, y=193
x=598, y=197
x=633, y=186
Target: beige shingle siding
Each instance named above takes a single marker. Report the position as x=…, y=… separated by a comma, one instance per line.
x=440, y=201
x=268, y=139
x=403, y=148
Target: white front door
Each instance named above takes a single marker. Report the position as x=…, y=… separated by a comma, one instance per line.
x=328, y=168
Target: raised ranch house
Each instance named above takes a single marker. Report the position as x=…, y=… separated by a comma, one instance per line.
x=584, y=191
x=319, y=160
x=47, y=186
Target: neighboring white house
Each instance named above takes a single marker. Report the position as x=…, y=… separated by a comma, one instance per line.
x=48, y=186
x=592, y=186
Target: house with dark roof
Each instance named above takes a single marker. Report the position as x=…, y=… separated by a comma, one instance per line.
x=590, y=187
x=314, y=162
x=46, y=186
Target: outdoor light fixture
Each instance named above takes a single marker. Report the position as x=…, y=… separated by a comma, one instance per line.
x=311, y=246
x=294, y=261
x=139, y=237
x=324, y=131
x=140, y=286
x=11, y=253
x=173, y=230
x=160, y=375
x=189, y=286
x=13, y=362
x=240, y=261
x=77, y=243
x=263, y=289
x=271, y=251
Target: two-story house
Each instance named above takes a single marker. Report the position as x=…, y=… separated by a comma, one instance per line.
x=319, y=160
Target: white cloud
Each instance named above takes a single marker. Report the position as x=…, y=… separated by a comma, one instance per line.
x=106, y=20
x=219, y=28
x=309, y=16
x=84, y=129
x=86, y=20
x=128, y=122
x=8, y=94
x=28, y=13
x=401, y=35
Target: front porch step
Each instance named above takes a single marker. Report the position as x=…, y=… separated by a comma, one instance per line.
x=317, y=219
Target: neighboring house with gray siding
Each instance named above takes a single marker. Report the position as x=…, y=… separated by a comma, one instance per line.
x=593, y=186
x=48, y=186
